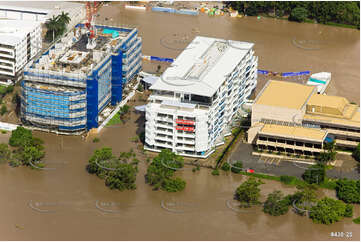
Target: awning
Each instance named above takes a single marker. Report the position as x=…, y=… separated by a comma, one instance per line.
x=140, y=108
x=150, y=79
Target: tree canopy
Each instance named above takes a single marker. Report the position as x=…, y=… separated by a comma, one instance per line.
x=29, y=149
x=348, y=190
x=328, y=211
x=315, y=174
x=160, y=172
x=298, y=14
x=323, y=12
x=118, y=172
x=249, y=192
x=276, y=204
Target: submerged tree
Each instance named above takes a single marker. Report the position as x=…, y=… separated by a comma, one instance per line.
x=249, y=192
x=161, y=171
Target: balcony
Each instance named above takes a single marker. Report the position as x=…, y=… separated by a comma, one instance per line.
x=284, y=145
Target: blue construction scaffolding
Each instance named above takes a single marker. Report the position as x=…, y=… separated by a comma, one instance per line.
x=71, y=102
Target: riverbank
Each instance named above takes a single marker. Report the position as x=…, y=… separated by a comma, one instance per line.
x=310, y=21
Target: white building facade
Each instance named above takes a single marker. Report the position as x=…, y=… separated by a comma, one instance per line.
x=195, y=99
x=41, y=11
x=20, y=41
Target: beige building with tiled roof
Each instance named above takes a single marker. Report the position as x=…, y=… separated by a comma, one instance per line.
x=293, y=118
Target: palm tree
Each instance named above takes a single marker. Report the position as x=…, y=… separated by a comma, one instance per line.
x=52, y=25
x=64, y=18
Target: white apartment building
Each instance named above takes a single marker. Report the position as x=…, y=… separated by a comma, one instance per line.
x=41, y=11
x=19, y=42
x=198, y=95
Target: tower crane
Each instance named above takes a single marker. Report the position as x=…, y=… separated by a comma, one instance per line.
x=91, y=10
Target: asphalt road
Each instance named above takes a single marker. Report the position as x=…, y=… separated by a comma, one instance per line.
x=275, y=166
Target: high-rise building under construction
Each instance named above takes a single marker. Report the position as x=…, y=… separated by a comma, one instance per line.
x=66, y=89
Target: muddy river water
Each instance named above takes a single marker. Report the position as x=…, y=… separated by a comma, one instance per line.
x=67, y=203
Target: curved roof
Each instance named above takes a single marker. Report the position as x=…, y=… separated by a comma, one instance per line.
x=203, y=66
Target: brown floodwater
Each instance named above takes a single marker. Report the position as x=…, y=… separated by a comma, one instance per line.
x=281, y=46
x=66, y=203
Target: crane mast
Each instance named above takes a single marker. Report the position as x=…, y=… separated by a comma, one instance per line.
x=91, y=10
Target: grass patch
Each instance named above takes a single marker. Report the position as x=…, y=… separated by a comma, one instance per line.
x=114, y=120
x=263, y=176
x=291, y=180
x=215, y=172
x=356, y=220
x=2, y=89
x=342, y=25
x=329, y=184
x=96, y=140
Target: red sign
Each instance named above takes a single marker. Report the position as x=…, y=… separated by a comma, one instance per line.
x=182, y=121
x=250, y=170
x=190, y=129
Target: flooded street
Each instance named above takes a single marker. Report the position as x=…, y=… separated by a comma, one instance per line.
x=67, y=203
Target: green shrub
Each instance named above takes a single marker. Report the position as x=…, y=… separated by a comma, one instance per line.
x=328, y=211
x=9, y=89
x=20, y=137
x=119, y=176
x=263, y=176
x=348, y=211
x=124, y=110
x=315, y=174
x=140, y=88
x=237, y=167
x=226, y=166
x=328, y=184
x=160, y=172
x=5, y=153
x=275, y=204
x=249, y=192
x=356, y=220
x=327, y=156
x=122, y=178
x=3, y=109
x=215, y=172
x=298, y=14
x=348, y=190
x=96, y=140
x=288, y=179
x=174, y=185
x=15, y=163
